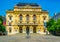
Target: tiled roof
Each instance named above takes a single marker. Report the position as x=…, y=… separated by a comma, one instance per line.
x=24, y=4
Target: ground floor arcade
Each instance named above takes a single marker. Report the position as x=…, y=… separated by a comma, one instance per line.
x=25, y=29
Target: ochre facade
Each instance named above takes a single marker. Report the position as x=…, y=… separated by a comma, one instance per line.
x=27, y=18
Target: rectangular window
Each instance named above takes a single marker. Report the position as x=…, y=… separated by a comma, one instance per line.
x=10, y=30
x=10, y=18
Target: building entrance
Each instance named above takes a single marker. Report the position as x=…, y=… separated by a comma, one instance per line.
x=34, y=30
x=27, y=30
x=20, y=29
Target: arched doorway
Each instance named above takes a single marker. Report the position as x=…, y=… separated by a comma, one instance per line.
x=20, y=29
x=34, y=29
x=27, y=30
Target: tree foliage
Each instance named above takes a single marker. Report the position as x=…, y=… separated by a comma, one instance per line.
x=2, y=27
x=53, y=25
x=50, y=25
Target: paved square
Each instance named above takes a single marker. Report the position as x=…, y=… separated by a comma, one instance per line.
x=41, y=38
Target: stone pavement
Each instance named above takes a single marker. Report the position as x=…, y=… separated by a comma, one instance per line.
x=41, y=38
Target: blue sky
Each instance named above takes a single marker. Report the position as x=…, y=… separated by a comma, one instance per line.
x=51, y=5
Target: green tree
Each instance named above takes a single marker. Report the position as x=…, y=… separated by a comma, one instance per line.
x=2, y=28
x=53, y=26
x=50, y=25
x=58, y=25
x=1, y=21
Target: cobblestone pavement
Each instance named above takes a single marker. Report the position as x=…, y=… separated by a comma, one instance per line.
x=41, y=38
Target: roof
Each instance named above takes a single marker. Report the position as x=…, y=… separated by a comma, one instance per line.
x=24, y=4
x=56, y=15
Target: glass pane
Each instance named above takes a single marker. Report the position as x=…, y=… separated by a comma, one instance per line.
x=20, y=17
x=34, y=17
x=27, y=17
x=10, y=18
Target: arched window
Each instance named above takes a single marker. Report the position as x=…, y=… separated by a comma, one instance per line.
x=10, y=17
x=20, y=17
x=34, y=17
x=27, y=17
x=44, y=17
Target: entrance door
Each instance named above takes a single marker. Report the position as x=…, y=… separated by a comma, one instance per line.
x=34, y=30
x=27, y=30
x=20, y=29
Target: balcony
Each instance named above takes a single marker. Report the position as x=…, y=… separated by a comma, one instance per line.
x=27, y=23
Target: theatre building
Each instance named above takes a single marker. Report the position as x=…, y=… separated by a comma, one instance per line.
x=26, y=17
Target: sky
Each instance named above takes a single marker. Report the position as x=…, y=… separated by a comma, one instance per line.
x=52, y=6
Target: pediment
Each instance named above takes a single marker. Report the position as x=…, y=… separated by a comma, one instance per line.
x=27, y=6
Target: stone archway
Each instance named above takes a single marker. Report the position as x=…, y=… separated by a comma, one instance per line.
x=27, y=30
x=20, y=30
x=34, y=29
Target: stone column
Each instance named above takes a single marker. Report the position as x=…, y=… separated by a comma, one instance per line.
x=37, y=18
x=41, y=19
x=24, y=18
x=24, y=29
x=18, y=19
x=31, y=29
x=7, y=29
x=13, y=29
x=42, y=29
x=31, y=18
x=38, y=29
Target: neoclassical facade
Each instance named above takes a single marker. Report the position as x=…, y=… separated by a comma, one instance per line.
x=26, y=17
